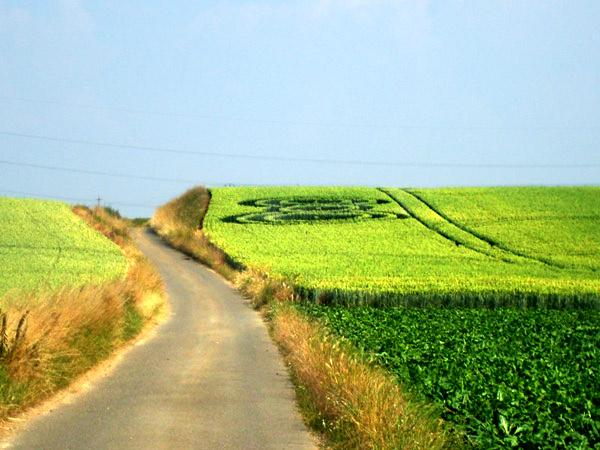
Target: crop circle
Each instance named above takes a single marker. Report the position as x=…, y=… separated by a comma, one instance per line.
x=312, y=209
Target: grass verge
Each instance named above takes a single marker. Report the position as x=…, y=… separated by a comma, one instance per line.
x=47, y=339
x=352, y=404
x=355, y=404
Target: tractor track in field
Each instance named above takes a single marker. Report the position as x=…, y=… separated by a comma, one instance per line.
x=482, y=237
x=510, y=254
x=441, y=233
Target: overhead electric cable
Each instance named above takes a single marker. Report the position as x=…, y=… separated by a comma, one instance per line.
x=203, y=116
x=94, y=172
x=50, y=197
x=324, y=124
x=295, y=159
x=132, y=205
x=74, y=199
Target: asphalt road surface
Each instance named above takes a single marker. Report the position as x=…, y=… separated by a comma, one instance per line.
x=210, y=378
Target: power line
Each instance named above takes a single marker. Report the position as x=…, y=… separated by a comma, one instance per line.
x=292, y=159
x=94, y=172
x=213, y=117
x=216, y=117
x=50, y=197
x=75, y=199
x=132, y=205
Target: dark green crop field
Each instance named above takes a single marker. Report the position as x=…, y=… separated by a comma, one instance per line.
x=509, y=377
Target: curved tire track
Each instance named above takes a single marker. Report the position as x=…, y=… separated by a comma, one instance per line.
x=488, y=247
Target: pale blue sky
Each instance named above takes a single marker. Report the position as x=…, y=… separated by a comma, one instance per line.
x=427, y=82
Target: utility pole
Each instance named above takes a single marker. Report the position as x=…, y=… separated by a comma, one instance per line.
x=98, y=202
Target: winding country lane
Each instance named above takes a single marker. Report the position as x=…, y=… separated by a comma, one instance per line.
x=210, y=378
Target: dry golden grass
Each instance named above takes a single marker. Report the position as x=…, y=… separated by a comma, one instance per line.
x=41, y=330
x=362, y=406
x=47, y=339
x=261, y=288
x=179, y=222
x=111, y=226
x=184, y=212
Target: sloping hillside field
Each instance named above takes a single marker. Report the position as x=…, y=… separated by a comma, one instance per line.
x=513, y=354
x=508, y=246
x=44, y=245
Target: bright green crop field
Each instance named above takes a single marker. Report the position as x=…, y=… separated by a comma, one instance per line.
x=455, y=247
x=506, y=338
x=43, y=245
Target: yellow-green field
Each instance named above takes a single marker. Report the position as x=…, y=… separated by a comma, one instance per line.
x=495, y=246
x=43, y=245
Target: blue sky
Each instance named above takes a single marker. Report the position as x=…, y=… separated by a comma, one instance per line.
x=474, y=83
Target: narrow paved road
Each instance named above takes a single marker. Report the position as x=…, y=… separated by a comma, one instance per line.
x=209, y=379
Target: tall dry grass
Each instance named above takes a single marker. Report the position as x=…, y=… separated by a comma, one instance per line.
x=185, y=212
x=49, y=338
x=179, y=222
x=108, y=223
x=262, y=289
x=358, y=406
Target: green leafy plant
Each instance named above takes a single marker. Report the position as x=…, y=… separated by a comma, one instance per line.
x=511, y=378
